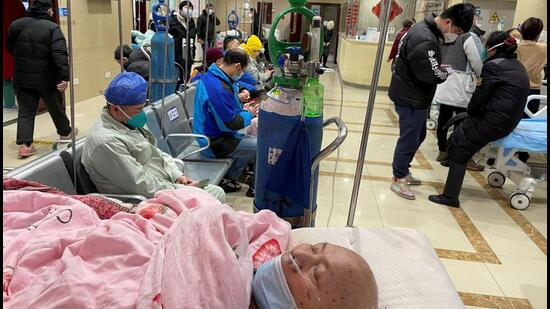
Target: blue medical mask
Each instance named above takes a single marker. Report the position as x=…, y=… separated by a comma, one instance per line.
x=238, y=76
x=269, y=286
x=137, y=121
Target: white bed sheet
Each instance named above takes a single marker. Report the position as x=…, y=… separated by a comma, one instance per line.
x=408, y=272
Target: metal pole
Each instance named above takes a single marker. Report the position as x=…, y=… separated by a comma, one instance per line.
x=206, y=35
x=71, y=84
x=370, y=108
x=188, y=50
x=120, y=34
x=165, y=62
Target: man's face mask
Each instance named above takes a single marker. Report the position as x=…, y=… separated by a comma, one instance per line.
x=448, y=36
x=137, y=121
x=210, y=11
x=238, y=76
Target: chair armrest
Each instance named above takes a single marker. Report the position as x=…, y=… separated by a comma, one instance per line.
x=193, y=136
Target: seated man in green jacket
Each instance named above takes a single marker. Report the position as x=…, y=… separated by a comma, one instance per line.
x=120, y=153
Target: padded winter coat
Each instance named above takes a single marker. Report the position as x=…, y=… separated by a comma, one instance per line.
x=495, y=109
x=417, y=66
x=40, y=52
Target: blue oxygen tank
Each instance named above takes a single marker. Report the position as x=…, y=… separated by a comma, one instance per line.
x=161, y=40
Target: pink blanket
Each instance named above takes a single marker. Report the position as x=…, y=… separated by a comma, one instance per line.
x=59, y=254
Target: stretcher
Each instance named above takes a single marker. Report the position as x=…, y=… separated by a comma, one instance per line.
x=529, y=136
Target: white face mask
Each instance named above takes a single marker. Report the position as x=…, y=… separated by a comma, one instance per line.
x=449, y=37
x=185, y=13
x=211, y=11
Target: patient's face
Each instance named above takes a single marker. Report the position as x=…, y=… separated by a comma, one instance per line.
x=332, y=277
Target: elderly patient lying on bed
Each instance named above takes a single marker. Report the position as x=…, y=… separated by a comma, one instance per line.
x=183, y=249
x=315, y=276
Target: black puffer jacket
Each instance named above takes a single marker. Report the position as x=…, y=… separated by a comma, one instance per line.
x=39, y=49
x=212, y=20
x=495, y=108
x=138, y=63
x=417, y=67
x=179, y=32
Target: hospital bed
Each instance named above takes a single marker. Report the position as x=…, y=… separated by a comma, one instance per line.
x=408, y=272
x=529, y=136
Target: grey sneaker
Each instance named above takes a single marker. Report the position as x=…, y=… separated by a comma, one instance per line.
x=401, y=187
x=442, y=156
x=411, y=181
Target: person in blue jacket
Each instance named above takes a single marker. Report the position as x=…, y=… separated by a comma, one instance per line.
x=219, y=115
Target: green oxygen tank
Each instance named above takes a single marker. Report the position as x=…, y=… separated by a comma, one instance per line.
x=313, y=95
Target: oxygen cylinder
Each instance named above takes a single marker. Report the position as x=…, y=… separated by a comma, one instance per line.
x=161, y=39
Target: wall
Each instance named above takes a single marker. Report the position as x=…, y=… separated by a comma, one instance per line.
x=95, y=37
x=367, y=19
x=531, y=8
x=223, y=8
x=504, y=9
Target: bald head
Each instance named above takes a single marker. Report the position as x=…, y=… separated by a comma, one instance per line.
x=331, y=277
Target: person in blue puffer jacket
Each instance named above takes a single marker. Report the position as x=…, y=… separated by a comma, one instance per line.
x=219, y=115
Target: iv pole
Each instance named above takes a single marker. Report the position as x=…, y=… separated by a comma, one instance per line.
x=383, y=25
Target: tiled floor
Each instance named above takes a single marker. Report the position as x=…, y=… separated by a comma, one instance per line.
x=495, y=255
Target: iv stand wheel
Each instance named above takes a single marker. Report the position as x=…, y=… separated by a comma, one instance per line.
x=496, y=179
x=431, y=124
x=520, y=201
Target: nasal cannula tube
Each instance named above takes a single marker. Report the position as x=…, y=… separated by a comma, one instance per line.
x=297, y=268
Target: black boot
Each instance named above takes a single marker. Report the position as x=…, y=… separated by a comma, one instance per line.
x=453, y=185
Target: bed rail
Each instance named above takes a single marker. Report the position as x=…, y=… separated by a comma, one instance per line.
x=341, y=135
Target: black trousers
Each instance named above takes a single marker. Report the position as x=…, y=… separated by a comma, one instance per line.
x=27, y=99
x=534, y=104
x=446, y=112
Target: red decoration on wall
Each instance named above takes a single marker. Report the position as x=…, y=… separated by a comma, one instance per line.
x=396, y=10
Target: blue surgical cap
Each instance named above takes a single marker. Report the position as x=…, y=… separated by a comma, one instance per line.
x=270, y=288
x=127, y=88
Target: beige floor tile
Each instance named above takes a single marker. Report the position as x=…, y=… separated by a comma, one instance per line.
x=442, y=229
x=244, y=203
x=523, y=278
x=507, y=239
x=472, y=277
x=9, y=114
x=342, y=191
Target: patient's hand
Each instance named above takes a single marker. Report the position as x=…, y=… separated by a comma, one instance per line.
x=184, y=180
x=252, y=107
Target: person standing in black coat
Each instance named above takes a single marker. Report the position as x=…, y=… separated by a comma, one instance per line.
x=41, y=71
x=414, y=81
x=182, y=28
x=494, y=111
x=207, y=18
x=328, y=32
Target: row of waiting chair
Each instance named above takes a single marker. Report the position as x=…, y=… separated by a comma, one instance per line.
x=170, y=123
